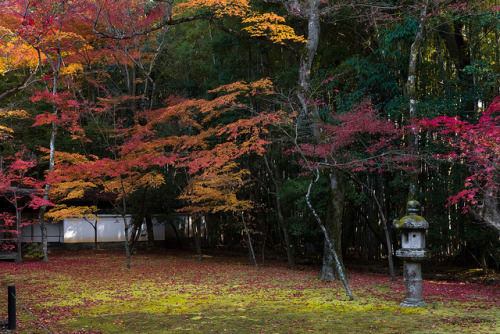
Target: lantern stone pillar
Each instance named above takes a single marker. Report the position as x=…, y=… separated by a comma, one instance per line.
x=413, y=252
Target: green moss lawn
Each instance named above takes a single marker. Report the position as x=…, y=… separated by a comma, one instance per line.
x=83, y=292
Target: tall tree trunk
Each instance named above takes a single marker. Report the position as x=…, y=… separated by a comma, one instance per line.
x=458, y=48
x=150, y=231
x=456, y=44
x=329, y=241
x=43, y=208
x=125, y=223
x=197, y=237
x=304, y=93
x=56, y=69
x=134, y=234
x=334, y=226
x=264, y=240
x=281, y=221
x=249, y=240
x=388, y=241
x=497, y=38
x=474, y=77
x=441, y=65
x=127, y=246
x=177, y=236
x=411, y=88
x=412, y=76
x=19, y=258
x=141, y=217
x=96, y=244
x=289, y=246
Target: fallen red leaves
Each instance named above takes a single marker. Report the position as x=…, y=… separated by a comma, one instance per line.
x=76, y=282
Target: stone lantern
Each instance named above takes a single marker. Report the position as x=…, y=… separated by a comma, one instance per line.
x=413, y=252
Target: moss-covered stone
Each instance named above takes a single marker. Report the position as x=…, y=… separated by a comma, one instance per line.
x=412, y=222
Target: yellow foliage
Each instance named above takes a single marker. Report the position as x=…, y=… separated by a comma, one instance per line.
x=151, y=179
x=66, y=190
x=264, y=86
x=272, y=26
x=266, y=17
x=124, y=186
x=219, y=7
x=61, y=212
x=216, y=190
x=70, y=158
x=15, y=54
x=5, y=131
x=268, y=25
x=72, y=68
x=15, y=113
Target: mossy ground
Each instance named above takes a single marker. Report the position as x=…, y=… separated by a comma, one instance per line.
x=83, y=292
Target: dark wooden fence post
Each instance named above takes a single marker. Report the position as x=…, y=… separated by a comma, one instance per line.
x=11, y=306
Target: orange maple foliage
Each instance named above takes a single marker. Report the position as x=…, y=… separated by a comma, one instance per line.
x=6, y=132
x=210, y=148
x=62, y=211
x=265, y=25
x=215, y=189
x=35, y=32
x=245, y=135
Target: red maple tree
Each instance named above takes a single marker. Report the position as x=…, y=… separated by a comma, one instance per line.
x=477, y=146
x=21, y=190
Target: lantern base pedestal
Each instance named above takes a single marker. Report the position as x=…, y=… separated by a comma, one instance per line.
x=412, y=303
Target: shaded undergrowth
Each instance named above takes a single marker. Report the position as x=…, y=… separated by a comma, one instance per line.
x=83, y=292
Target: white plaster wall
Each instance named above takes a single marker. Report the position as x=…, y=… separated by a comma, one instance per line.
x=33, y=233
x=110, y=228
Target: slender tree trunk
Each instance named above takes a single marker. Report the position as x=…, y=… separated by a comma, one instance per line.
x=383, y=219
x=281, y=221
x=43, y=208
x=150, y=231
x=125, y=223
x=289, y=247
x=96, y=244
x=334, y=226
x=127, y=246
x=138, y=222
x=56, y=68
x=304, y=95
x=441, y=64
x=474, y=77
x=19, y=258
x=134, y=234
x=134, y=89
x=306, y=61
x=197, y=237
x=388, y=241
x=329, y=241
x=249, y=240
x=177, y=236
x=411, y=88
x=127, y=79
x=263, y=252
x=497, y=38
x=412, y=75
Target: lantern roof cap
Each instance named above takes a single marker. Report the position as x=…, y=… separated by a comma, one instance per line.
x=412, y=220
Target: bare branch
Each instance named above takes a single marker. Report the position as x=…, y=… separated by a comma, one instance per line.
x=26, y=82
